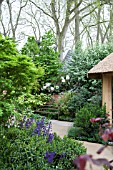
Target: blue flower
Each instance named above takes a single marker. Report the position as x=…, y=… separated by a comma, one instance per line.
x=37, y=131
x=24, y=118
x=50, y=156
x=50, y=137
x=49, y=128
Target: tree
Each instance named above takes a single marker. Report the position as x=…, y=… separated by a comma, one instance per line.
x=44, y=55
x=14, y=18
x=54, y=13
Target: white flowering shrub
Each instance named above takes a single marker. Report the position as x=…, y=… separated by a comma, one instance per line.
x=59, y=85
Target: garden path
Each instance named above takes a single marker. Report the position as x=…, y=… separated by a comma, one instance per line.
x=62, y=127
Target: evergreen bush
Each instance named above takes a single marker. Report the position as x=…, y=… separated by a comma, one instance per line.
x=83, y=129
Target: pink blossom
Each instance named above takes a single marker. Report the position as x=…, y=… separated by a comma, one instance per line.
x=95, y=120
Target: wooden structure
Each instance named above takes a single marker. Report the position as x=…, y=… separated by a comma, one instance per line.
x=104, y=70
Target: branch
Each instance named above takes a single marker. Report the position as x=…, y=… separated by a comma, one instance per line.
x=76, y=7
x=41, y=9
x=21, y=7
x=71, y=19
x=54, y=15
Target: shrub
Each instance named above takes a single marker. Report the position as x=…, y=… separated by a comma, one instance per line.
x=63, y=103
x=33, y=146
x=44, y=55
x=82, y=61
x=83, y=128
x=18, y=75
x=81, y=97
x=57, y=85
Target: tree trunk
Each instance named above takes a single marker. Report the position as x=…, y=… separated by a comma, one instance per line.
x=98, y=25
x=60, y=43
x=77, y=26
x=111, y=20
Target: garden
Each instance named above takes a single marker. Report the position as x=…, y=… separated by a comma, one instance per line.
x=35, y=87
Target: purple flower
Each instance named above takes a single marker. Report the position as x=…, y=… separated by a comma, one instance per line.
x=37, y=131
x=21, y=124
x=49, y=156
x=24, y=118
x=38, y=124
x=50, y=137
x=49, y=128
x=62, y=155
x=27, y=125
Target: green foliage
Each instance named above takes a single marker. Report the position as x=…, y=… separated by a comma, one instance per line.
x=83, y=61
x=86, y=90
x=28, y=100
x=44, y=55
x=7, y=46
x=31, y=48
x=18, y=75
x=58, y=85
x=22, y=150
x=82, y=97
x=64, y=113
x=84, y=129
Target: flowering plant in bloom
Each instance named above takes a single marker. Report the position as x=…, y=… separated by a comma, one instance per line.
x=59, y=85
x=33, y=145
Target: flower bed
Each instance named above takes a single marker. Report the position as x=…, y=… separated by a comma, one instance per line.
x=33, y=146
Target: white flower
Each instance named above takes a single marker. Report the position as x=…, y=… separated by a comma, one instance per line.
x=52, y=88
x=44, y=87
x=63, y=81
x=48, y=84
x=8, y=126
x=12, y=123
x=4, y=92
x=67, y=77
x=62, y=78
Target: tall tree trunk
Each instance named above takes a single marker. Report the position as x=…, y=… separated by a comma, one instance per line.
x=111, y=20
x=77, y=26
x=98, y=21
x=61, y=40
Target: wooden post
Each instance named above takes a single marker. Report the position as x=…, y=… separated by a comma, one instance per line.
x=107, y=94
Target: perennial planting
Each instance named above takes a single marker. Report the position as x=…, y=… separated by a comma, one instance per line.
x=32, y=145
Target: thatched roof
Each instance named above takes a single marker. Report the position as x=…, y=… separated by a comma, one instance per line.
x=104, y=66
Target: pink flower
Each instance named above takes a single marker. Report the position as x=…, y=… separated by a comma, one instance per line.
x=108, y=135
x=95, y=120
